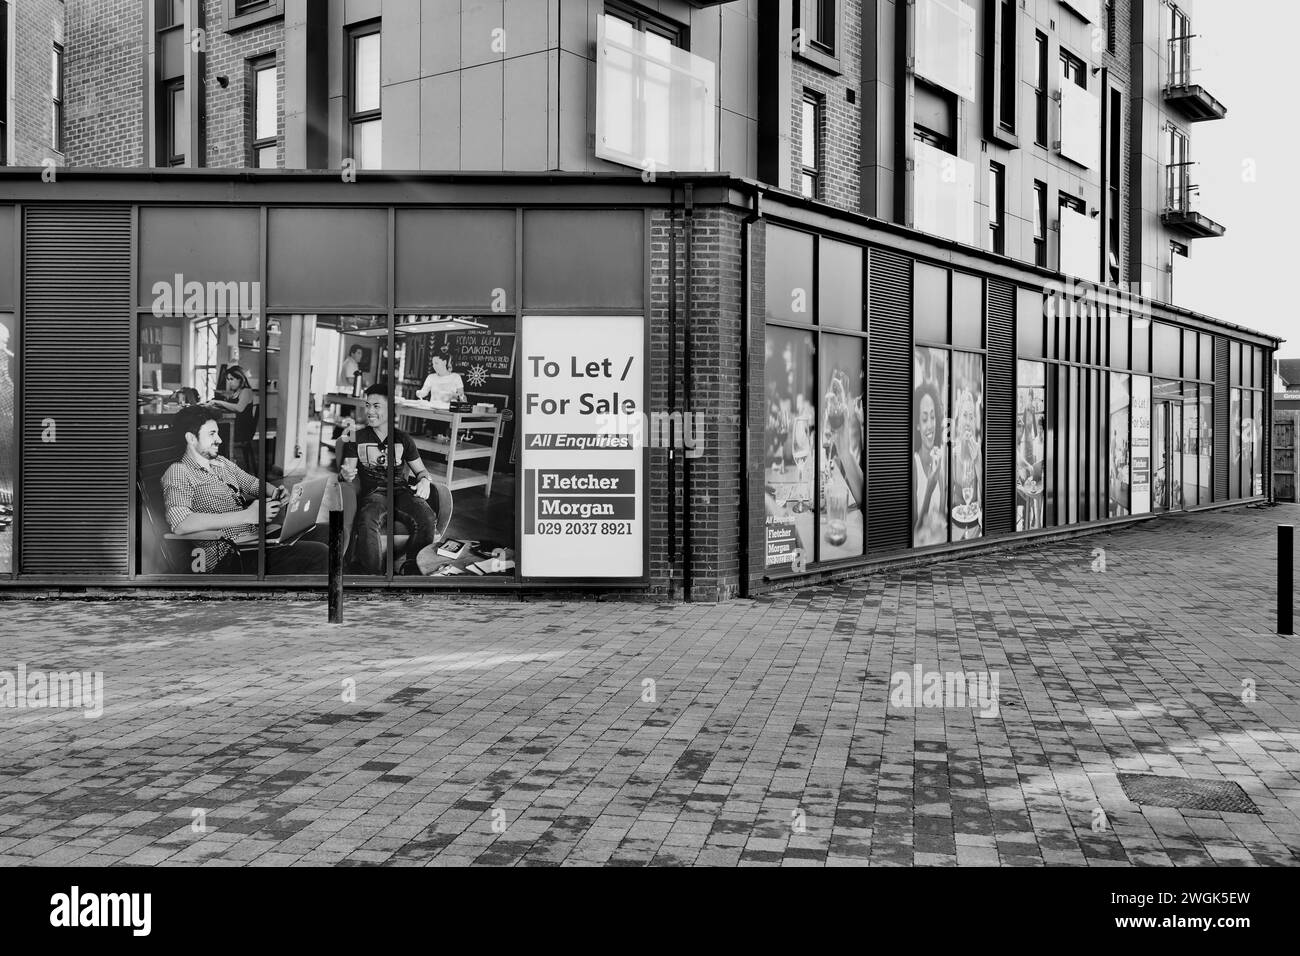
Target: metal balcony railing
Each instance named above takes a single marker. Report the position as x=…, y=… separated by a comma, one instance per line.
x=1181, y=194
x=1180, y=61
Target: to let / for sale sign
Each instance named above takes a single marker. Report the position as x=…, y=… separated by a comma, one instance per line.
x=583, y=383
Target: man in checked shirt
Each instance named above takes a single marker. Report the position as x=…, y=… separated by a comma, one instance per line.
x=205, y=493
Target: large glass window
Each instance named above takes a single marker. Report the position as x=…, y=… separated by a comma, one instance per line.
x=8, y=438
x=1118, y=471
x=930, y=458
x=1205, y=446
x=365, y=120
x=1234, y=444
x=815, y=432
x=1031, y=434
x=841, y=449
x=791, y=425
x=967, y=485
x=201, y=495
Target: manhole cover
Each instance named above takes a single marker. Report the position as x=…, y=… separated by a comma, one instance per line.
x=1184, y=794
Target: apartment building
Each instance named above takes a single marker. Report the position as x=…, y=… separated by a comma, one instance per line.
x=890, y=279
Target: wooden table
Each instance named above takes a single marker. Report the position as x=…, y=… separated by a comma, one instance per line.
x=453, y=449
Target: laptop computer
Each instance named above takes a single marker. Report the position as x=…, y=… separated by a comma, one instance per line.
x=297, y=515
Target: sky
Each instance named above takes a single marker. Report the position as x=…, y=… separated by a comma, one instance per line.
x=1247, y=57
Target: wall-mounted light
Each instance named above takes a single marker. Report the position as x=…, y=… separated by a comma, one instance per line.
x=223, y=81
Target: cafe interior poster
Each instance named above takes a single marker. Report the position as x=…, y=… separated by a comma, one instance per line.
x=1031, y=427
x=789, y=437
x=930, y=459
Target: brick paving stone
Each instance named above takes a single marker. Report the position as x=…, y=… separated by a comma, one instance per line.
x=519, y=736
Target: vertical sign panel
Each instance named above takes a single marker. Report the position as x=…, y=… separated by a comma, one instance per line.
x=583, y=381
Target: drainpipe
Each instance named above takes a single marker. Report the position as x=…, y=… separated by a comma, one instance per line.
x=672, y=380
x=688, y=228
x=746, y=306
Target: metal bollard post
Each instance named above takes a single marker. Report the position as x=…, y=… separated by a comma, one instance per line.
x=1285, y=577
x=334, y=501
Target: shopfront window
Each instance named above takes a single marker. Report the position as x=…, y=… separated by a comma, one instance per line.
x=1205, y=445
x=1031, y=432
x=967, y=483
x=455, y=385
x=1234, y=444
x=202, y=495
x=1118, y=470
x=8, y=439
x=930, y=459
x=815, y=436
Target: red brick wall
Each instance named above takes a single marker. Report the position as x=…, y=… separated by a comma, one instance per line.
x=229, y=111
x=104, y=114
x=716, y=350
x=38, y=24
x=841, y=120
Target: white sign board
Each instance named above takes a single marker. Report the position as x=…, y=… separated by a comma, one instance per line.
x=1080, y=245
x=583, y=387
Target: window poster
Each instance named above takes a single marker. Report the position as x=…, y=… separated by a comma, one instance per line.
x=967, y=484
x=788, y=440
x=929, y=451
x=1141, y=454
x=840, y=448
x=1031, y=427
x=582, y=420
x=1118, y=468
x=8, y=439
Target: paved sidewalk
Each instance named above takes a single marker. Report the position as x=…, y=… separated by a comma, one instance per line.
x=757, y=732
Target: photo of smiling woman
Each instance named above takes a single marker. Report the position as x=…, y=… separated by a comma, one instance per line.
x=929, y=459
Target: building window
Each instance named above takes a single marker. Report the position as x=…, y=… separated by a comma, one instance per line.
x=1074, y=70
x=1112, y=27
x=1180, y=30
x=241, y=14
x=171, y=13
x=811, y=146
x=1114, y=168
x=1040, y=89
x=365, y=123
x=645, y=22
x=997, y=207
x=1040, y=223
x=1066, y=201
x=177, y=124
x=1007, y=67
x=56, y=95
x=815, y=24
x=1177, y=171
x=265, y=114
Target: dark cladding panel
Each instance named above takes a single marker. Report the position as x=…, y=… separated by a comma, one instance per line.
x=1000, y=412
x=586, y=259
x=204, y=245
x=889, y=403
x=8, y=269
x=456, y=259
x=328, y=258
x=76, y=400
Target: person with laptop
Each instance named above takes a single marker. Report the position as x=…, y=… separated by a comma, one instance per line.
x=366, y=456
x=211, y=498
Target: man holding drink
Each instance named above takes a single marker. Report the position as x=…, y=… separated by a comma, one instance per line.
x=365, y=454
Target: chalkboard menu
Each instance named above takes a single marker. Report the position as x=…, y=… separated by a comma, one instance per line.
x=481, y=355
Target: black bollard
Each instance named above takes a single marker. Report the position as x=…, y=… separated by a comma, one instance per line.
x=1285, y=577
x=336, y=567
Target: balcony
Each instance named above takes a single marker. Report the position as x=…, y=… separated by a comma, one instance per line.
x=1190, y=98
x=1181, y=198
